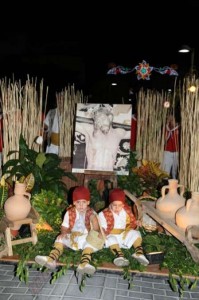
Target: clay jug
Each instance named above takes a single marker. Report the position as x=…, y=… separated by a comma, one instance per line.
x=18, y=206
x=189, y=214
x=169, y=203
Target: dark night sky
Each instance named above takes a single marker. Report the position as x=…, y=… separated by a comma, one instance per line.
x=65, y=45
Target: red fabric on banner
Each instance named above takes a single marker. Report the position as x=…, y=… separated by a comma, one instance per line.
x=133, y=132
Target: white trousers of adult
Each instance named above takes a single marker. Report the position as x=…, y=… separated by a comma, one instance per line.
x=124, y=240
x=52, y=149
x=170, y=163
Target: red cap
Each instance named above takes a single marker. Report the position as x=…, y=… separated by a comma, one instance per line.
x=116, y=195
x=81, y=193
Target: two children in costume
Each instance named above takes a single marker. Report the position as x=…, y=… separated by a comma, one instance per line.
x=114, y=228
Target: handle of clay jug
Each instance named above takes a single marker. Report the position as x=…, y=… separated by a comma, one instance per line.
x=163, y=190
x=182, y=189
x=27, y=194
x=188, y=204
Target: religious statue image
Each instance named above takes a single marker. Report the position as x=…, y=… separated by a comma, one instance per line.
x=102, y=138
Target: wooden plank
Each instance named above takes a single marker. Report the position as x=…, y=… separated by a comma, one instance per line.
x=22, y=241
x=172, y=228
x=149, y=208
x=21, y=222
x=8, y=241
x=100, y=175
x=167, y=224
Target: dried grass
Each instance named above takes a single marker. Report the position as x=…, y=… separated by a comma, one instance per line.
x=66, y=104
x=22, y=113
x=189, y=162
x=151, y=121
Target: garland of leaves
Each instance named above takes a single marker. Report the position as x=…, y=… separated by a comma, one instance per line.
x=182, y=273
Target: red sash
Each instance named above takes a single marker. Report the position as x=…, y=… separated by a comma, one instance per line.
x=172, y=139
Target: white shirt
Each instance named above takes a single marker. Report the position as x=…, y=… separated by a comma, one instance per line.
x=119, y=220
x=79, y=222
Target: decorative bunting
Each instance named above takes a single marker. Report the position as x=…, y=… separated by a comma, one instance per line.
x=143, y=70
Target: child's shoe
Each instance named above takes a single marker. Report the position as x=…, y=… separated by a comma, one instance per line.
x=46, y=261
x=121, y=261
x=141, y=258
x=87, y=269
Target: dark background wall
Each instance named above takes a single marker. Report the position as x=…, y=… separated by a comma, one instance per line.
x=66, y=46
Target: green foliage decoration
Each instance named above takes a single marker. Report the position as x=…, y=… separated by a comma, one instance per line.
x=98, y=197
x=131, y=182
x=151, y=176
x=45, y=167
x=50, y=207
x=3, y=191
x=183, y=272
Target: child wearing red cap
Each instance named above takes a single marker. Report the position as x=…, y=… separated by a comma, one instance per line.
x=75, y=229
x=119, y=225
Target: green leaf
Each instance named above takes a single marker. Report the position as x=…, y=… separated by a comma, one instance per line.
x=194, y=284
x=30, y=181
x=3, y=195
x=41, y=157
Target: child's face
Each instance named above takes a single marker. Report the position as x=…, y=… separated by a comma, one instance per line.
x=117, y=206
x=81, y=205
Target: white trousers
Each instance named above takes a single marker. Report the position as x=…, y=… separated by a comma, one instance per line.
x=80, y=240
x=170, y=163
x=125, y=242
x=52, y=149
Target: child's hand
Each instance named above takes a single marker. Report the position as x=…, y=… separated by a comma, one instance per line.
x=139, y=223
x=62, y=235
x=100, y=236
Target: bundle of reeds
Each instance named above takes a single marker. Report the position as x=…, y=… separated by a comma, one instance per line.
x=189, y=142
x=66, y=104
x=22, y=113
x=151, y=122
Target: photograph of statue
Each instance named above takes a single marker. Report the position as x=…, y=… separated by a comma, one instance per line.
x=102, y=138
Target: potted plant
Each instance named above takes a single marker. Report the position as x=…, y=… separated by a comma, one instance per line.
x=151, y=176
x=44, y=167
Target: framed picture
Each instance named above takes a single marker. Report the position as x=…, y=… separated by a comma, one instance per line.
x=102, y=138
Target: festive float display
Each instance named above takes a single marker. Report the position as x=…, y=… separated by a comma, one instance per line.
x=151, y=106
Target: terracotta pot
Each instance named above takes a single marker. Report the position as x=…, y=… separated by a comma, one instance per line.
x=189, y=214
x=17, y=207
x=169, y=203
